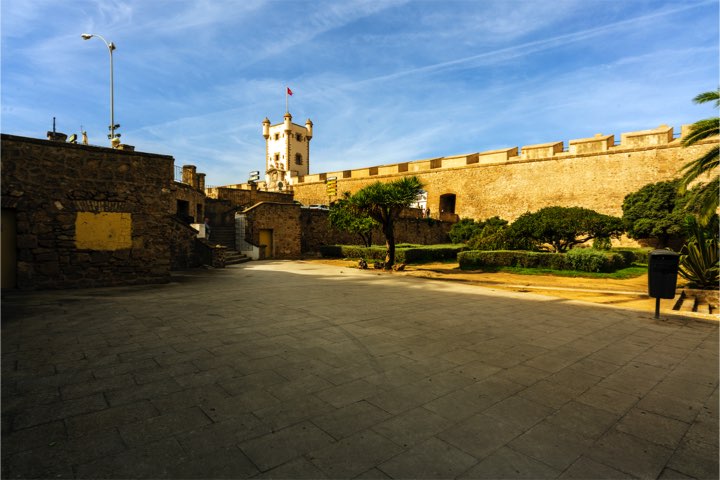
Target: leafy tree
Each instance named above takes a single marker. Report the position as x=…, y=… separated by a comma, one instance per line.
x=383, y=202
x=655, y=211
x=343, y=218
x=563, y=227
x=705, y=197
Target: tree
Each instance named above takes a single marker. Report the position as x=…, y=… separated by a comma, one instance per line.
x=342, y=217
x=704, y=198
x=655, y=211
x=563, y=227
x=383, y=202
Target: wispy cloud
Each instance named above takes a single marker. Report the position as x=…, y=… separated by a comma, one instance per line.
x=383, y=82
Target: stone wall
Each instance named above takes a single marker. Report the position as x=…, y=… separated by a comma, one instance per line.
x=247, y=195
x=282, y=220
x=195, y=201
x=86, y=216
x=593, y=173
x=316, y=231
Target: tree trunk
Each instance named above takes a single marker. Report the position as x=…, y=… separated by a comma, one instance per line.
x=389, y=232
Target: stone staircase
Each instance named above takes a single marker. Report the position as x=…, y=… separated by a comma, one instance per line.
x=225, y=236
x=697, y=301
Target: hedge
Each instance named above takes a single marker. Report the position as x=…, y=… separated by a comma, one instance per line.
x=584, y=260
x=634, y=255
x=403, y=254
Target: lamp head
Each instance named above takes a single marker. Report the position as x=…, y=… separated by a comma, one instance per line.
x=86, y=36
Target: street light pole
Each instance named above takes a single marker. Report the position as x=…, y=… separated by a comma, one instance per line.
x=110, y=46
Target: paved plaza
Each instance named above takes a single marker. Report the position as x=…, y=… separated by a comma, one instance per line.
x=303, y=370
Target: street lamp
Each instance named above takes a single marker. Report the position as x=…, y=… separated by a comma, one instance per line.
x=110, y=46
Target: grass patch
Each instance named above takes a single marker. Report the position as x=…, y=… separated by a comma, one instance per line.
x=621, y=274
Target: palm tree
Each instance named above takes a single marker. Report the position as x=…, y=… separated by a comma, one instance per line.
x=704, y=196
x=384, y=202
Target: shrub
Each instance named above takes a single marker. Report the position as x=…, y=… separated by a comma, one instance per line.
x=331, y=251
x=464, y=230
x=700, y=261
x=588, y=260
x=510, y=258
x=585, y=260
x=432, y=253
x=634, y=255
x=408, y=254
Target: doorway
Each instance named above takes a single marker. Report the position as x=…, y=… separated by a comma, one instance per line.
x=266, y=243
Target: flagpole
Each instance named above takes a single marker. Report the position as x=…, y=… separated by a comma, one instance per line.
x=286, y=100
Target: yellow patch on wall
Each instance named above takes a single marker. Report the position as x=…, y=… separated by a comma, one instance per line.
x=103, y=231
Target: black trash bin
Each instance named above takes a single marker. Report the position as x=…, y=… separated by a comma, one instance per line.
x=662, y=273
x=662, y=276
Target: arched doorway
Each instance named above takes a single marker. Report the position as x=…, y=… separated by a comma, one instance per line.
x=447, y=203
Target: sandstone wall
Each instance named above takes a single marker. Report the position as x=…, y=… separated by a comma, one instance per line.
x=87, y=216
x=283, y=220
x=593, y=173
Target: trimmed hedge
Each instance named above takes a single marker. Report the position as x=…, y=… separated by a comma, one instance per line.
x=584, y=260
x=634, y=255
x=403, y=254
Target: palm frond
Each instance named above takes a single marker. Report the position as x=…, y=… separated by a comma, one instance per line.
x=700, y=166
x=704, y=200
x=702, y=130
x=708, y=97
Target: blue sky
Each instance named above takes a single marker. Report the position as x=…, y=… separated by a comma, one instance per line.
x=383, y=81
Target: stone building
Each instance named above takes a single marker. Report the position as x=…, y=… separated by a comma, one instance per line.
x=84, y=216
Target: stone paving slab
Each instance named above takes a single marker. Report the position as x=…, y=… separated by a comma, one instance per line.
x=281, y=369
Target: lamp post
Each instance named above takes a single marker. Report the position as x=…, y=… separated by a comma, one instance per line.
x=110, y=46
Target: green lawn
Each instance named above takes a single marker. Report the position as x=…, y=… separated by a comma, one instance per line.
x=630, y=272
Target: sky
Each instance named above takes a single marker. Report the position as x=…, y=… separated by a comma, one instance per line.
x=383, y=81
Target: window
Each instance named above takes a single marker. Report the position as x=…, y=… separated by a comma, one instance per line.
x=298, y=137
x=183, y=211
x=298, y=159
x=277, y=136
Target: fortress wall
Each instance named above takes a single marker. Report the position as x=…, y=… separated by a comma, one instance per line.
x=594, y=173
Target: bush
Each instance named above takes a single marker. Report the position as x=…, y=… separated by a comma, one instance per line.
x=432, y=253
x=634, y=255
x=464, y=230
x=588, y=260
x=331, y=251
x=407, y=253
x=584, y=260
x=510, y=258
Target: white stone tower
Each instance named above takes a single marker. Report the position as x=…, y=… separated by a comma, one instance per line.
x=287, y=153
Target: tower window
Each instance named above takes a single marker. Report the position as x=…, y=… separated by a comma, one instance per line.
x=298, y=137
x=277, y=157
x=277, y=136
x=298, y=159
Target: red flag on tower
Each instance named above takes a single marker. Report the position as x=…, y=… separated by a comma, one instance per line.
x=289, y=91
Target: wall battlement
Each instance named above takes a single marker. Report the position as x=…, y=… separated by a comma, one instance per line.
x=654, y=138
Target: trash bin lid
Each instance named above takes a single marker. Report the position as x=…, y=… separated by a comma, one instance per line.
x=664, y=252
